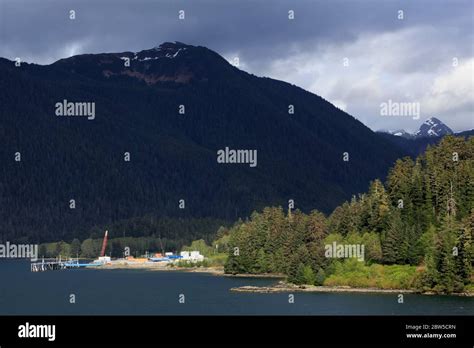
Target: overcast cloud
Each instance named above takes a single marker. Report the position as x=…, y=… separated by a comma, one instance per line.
x=409, y=60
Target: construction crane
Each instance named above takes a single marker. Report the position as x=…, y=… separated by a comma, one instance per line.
x=104, y=244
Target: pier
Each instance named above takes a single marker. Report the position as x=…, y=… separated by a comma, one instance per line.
x=48, y=265
x=58, y=264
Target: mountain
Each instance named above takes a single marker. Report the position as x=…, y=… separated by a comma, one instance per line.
x=430, y=133
x=172, y=110
x=433, y=127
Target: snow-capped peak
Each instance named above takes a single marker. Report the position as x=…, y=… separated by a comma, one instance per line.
x=433, y=127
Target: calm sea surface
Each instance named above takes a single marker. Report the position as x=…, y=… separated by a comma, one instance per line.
x=139, y=292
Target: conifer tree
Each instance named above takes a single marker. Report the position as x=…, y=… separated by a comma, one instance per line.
x=393, y=238
x=463, y=257
x=380, y=207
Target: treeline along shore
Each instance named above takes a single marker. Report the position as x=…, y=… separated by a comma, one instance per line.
x=411, y=232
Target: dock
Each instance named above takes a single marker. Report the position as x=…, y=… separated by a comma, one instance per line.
x=58, y=264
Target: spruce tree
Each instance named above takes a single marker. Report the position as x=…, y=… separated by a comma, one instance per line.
x=300, y=274
x=262, y=262
x=393, y=238
x=463, y=259
x=309, y=277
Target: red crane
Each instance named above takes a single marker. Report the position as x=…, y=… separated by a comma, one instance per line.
x=104, y=244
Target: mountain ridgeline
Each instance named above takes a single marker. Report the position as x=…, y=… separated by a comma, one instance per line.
x=145, y=163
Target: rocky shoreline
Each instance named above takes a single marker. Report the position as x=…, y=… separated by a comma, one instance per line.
x=286, y=287
x=280, y=287
x=283, y=287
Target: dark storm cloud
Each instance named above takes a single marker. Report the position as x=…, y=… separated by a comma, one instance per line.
x=43, y=28
x=261, y=35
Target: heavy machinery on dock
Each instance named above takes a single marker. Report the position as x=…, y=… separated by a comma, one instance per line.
x=58, y=264
x=102, y=258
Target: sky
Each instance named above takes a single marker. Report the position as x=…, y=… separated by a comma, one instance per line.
x=357, y=54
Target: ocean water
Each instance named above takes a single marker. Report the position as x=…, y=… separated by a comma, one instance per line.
x=137, y=292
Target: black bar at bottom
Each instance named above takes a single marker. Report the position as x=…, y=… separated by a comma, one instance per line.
x=209, y=330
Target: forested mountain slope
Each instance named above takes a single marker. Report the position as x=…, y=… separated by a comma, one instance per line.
x=172, y=154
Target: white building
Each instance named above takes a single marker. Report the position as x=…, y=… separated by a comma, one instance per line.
x=193, y=256
x=103, y=259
